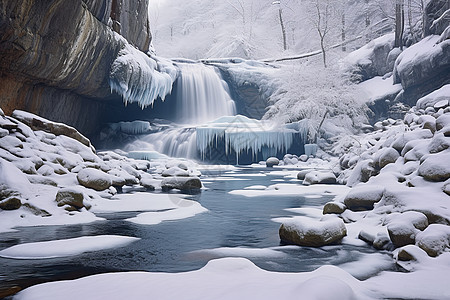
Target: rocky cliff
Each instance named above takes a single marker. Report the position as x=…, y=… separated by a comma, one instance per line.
x=56, y=55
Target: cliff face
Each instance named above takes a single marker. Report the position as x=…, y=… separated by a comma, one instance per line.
x=56, y=55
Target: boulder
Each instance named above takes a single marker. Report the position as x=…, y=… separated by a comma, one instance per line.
x=388, y=156
x=272, y=161
x=181, y=183
x=94, y=179
x=307, y=232
x=175, y=171
x=71, y=197
x=303, y=158
x=318, y=177
x=439, y=143
x=442, y=121
x=11, y=203
x=334, y=208
x=434, y=239
x=434, y=167
x=363, y=197
x=301, y=175
x=148, y=182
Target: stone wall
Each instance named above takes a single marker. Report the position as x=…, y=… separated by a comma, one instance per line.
x=55, y=56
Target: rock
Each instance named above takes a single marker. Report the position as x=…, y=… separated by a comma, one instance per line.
x=428, y=122
x=439, y=143
x=334, y=208
x=39, y=123
x=402, y=233
x=272, y=161
x=148, y=182
x=94, y=179
x=382, y=241
x=11, y=203
x=433, y=167
x=175, y=171
x=372, y=59
x=307, y=232
x=36, y=211
x=446, y=188
x=120, y=178
x=71, y=197
x=2, y=114
x=301, y=175
x=303, y=158
x=38, y=179
x=317, y=177
x=181, y=183
x=363, y=197
x=3, y=132
x=388, y=156
x=411, y=253
x=434, y=240
x=442, y=121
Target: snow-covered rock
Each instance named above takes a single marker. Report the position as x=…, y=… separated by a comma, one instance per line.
x=181, y=183
x=372, y=59
x=435, y=239
x=434, y=167
x=272, y=161
x=308, y=232
x=319, y=177
x=363, y=197
x=175, y=171
x=404, y=227
x=71, y=197
x=334, y=208
x=94, y=179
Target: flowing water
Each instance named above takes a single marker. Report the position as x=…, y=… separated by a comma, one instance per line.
x=175, y=246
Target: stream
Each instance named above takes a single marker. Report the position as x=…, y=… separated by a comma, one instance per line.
x=177, y=246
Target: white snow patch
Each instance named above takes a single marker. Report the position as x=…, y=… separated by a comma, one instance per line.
x=66, y=247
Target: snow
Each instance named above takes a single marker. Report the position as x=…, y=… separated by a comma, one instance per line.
x=184, y=209
x=379, y=88
x=226, y=278
x=137, y=202
x=363, y=55
x=237, y=252
x=435, y=97
x=140, y=78
x=66, y=247
x=286, y=189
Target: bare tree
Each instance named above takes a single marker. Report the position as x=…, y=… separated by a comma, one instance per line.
x=399, y=23
x=321, y=23
x=283, y=29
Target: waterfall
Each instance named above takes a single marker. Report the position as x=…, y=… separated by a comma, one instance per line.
x=202, y=95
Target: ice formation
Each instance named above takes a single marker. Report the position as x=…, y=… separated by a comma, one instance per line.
x=135, y=127
x=202, y=95
x=140, y=78
x=243, y=134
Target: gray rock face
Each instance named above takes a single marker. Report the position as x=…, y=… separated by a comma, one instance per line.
x=434, y=10
x=55, y=56
x=334, y=208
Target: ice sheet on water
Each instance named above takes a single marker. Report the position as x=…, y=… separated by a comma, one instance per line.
x=140, y=78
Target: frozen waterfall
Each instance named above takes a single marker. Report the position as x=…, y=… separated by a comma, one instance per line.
x=202, y=94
